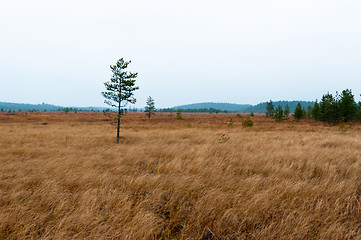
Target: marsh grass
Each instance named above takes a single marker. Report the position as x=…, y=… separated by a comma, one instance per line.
x=68, y=179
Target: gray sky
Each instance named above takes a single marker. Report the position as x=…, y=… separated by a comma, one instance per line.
x=185, y=51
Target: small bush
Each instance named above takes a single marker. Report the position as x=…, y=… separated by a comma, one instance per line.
x=251, y=114
x=179, y=115
x=230, y=124
x=247, y=122
x=223, y=138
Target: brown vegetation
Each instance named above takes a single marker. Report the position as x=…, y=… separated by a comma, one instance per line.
x=63, y=176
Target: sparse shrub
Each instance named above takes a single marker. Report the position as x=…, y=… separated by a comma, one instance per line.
x=179, y=114
x=223, y=138
x=247, y=122
x=239, y=115
x=189, y=125
x=342, y=126
x=230, y=123
x=251, y=114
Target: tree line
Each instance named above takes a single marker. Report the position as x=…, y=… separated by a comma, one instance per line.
x=337, y=108
x=331, y=108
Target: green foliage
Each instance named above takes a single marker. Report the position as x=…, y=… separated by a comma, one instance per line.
x=179, y=114
x=316, y=114
x=279, y=114
x=251, y=114
x=347, y=105
x=247, y=122
x=150, y=108
x=309, y=112
x=341, y=107
x=286, y=112
x=120, y=89
x=358, y=113
x=299, y=112
x=328, y=108
x=230, y=123
x=239, y=115
x=270, y=109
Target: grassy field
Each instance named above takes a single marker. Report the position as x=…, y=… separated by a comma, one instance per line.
x=63, y=176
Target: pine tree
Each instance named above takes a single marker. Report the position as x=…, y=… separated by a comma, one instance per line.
x=358, y=114
x=286, y=112
x=120, y=89
x=150, y=108
x=309, y=112
x=316, y=111
x=298, y=114
x=270, y=109
x=327, y=107
x=279, y=113
x=347, y=105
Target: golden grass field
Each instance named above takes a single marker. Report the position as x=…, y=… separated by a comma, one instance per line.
x=63, y=176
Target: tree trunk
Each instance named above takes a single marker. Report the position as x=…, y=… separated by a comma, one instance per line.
x=118, y=126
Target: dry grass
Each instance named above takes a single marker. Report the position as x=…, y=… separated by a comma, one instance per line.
x=62, y=176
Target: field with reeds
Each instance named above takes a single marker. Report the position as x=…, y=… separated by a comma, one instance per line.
x=62, y=176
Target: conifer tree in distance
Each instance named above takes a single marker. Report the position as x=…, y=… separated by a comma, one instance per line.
x=316, y=111
x=298, y=114
x=270, y=109
x=286, y=112
x=150, y=108
x=279, y=113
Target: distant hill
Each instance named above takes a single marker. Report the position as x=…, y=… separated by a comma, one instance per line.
x=261, y=107
x=247, y=108
x=232, y=107
x=6, y=106
x=195, y=107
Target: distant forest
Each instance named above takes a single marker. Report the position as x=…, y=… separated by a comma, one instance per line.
x=208, y=107
x=231, y=107
x=6, y=106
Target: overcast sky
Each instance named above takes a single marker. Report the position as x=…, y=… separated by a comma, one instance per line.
x=185, y=51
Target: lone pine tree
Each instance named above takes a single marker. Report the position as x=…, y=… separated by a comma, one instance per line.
x=120, y=89
x=150, y=108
